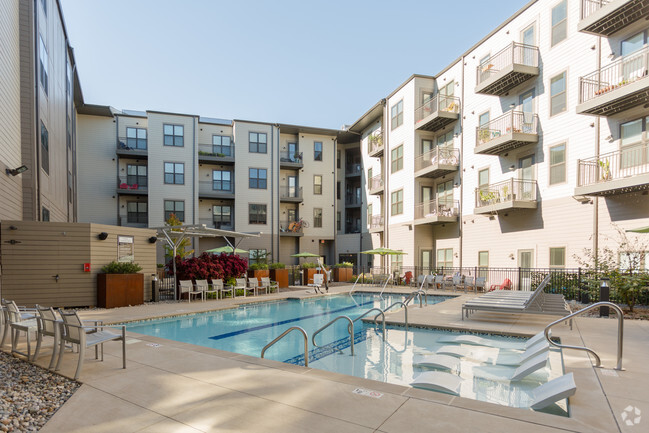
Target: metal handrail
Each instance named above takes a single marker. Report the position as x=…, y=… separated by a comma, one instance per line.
x=620, y=332
x=396, y=303
x=354, y=286
x=306, y=343
x=419, y=293
x=385, y=284
x=368, y=312
x=350, y=328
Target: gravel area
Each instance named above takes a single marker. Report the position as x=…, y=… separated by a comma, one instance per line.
x=29, y=395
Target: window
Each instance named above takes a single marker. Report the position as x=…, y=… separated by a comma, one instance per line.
x=483, y=119
x=396, y=262
x=445, y=258
x=369, y=174
x=174, y=135
x=136, y=138
x=558, y=164
x=370, y=212
x=445, y=96
x=221, y=145
x=558, y=257
x=634, y=261
x=397, y=159
x=222, y=217
x=257, y=178
x=338, y=156
x=338, y=190
x=483, y=179
x=445, y=194
x=137, y=212
x=257, y=256
x=632, y=134
x=558, y=94
x=426, y=146
x=339, y=221
x=445, y=141
x=397, y=202
x=317, y=217
x=45, y=149
x=136, y=175
x=633, y=44
x=257, y=142
x=483, y=263
x=43, y=64
x=175, y=207
x=317, y=184
x=46, y=214
x=317, y=151
x=559, y=22
x=221, y=180
x=256, y=213
x=396, y=114
x=175, y=173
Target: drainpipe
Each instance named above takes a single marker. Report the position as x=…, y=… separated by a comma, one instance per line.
x=335, y=159
x=37, y=166
x=386, y=182
x=73, y=126
x=195, y=241
x=461, y=201
x=272, y=190
x=597, y=151
x=117, y=169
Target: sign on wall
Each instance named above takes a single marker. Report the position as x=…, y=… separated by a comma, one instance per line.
x=125, y=249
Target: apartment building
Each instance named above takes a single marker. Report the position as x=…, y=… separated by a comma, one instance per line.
x=39, y=93
x=522, y=152
x=140, y=167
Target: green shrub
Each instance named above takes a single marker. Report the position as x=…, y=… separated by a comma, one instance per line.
x=121, y=268
x=309, y=265
x=343, y=265
x=160, y=265
x=258, y=266
x=277, y=265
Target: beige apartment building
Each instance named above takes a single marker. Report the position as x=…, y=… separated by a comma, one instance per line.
x=39, y=93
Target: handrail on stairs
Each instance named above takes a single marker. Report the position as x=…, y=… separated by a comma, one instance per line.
x=306, y=342
x=368, y=312
x=350, y=329
x=396, y=303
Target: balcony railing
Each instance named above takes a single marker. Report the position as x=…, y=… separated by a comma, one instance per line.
x=290, y=193
x=376, y=182
x=509, y=194
x=434, y=209
x=607, y=17
x=352, y=200
x=353, y=169
x=288, y=158
x=512, y=129
x=216, y=152
x=132, y=146
x=625, y=170
x=290, y=228
x=617, y=85
x=437, y=112
x=589, y=7
x=214, y=189
x=508, y=68
x=126, y=185
x=375, y=144
x=440, y=160
x=221, y=225
x=352, y=228
x=377, y=222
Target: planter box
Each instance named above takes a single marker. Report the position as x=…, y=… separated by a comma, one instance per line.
x=343, y=274
x=120, y=290
x=308, y=275
x=258, y=274
x=281, y=276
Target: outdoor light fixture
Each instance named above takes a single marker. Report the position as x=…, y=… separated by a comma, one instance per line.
x=604, y=295
x=16, y=171
x=102, y=236
x=512, y=167
x=153, y=239
x=512, y=106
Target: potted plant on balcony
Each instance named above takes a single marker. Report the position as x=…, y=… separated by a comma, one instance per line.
x=343, y=271
x=279, y=273
x=120, y=285
x=605, y=167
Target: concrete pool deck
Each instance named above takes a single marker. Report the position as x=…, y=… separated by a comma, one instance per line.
x=170, y=386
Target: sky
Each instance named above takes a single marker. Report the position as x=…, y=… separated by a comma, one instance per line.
x=312, y=63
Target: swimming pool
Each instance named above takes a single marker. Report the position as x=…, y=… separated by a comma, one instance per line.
x=248, y=328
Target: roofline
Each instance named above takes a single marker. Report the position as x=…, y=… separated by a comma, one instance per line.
x=368, y=113
x=97, y=110
x=413, y=76
x=122, y=113
x=311, y=129
x=171, y=113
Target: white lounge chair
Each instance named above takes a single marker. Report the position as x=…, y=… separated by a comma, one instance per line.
x=439, y=381
x=204, y=287
x=251, y=286
x=476, y=340
x=186, y=286
x=318, y=281
x=553, y=391
x=441, y=362
x=494, y=356
x=480, y=284
x=499, y=373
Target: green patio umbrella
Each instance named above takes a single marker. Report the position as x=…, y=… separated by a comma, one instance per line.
x=639, y=230
x=226, y=249
x=384, y=252
x=304, y=255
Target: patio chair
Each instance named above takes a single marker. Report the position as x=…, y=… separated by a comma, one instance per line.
x=18, y=322
x=422, y=281
x=76, y=333
x=467, y=282
x=452, y=282
x=506, y=285
x=217, y=286
x=241, y=284
x=48, y=326
x=269, y=285
x=480, y=284
x=204, y=287
x=438, y=282
x=186, y=286
x=318, y=281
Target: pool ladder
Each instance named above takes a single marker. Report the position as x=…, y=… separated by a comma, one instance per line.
x=292, y=328
x=419, y=293
x=350, y=329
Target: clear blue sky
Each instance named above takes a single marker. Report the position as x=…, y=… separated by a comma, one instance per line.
x=303, y=62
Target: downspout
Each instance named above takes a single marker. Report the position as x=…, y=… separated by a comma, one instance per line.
x=386, y=182
x=335, y=216
x=37, y=168
x=461, y=201
x=597, y=151
x=272, y=190
x=73, y=126
x=195, y=240
x=117, y=171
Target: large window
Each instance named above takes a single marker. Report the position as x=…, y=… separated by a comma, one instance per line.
x=137, y=212
x=46, y=214
x=256, y=213
x=396, y=118
x=483, y=263
x=483, y=119
x=136, y=138
x=445, y=258
x=175, y=173
x=558, y=257
x=257, y=142
x=221, y=180
x=559, y=22
x=317, y=150
x=445, y=193
x=45, y=149
x=176, y=207
x=397, y=158
x=339, y=221
x=257, y=256
x=558, y=94
x=257, y=178
x=317, y=217
x=136, y=175
x=396, y=263
x=558, y=164
x=43, y=67
x=483, y=179
x=397, y=202
x=634, y=261
x=222, y=217
x=174, y=135
x=317, y=184
x=221, y=145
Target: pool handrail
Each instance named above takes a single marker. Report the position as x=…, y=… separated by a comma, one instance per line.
x=368, y=312
x=354, y=286
x=385, y=284
x=620, y=332
x=418, y=293
x=306, y=343
x=386, y=309
x=350, y=329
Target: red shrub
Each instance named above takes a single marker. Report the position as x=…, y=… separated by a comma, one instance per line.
x=210, y=266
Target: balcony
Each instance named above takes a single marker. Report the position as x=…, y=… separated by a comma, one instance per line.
x=352, y=200
x=208, y=189
x=507, y=69
x=215, y=154
x=619, y=172
x=353, y=170
x=128, y=187
x=616, y=87
x=290, y=228
x=220, y=225
x=375, y=145
x=437, y=112
x=437, y=212
x=352, y=229
x=511, y=130
x=607, y=17
x=376, y=185
x=132, y=147
x=377, y=223
x=508, y=195
x=437, y=162
x=291, y=160
x=290, y=194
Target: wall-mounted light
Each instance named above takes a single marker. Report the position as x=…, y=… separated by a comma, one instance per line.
x=102, y=236
x=511, y=256
x=512, y=106
x=16, y=171
x=153, y=239
x=593, y=47
x=611, y=56
x=512, y=167
x=13, y=228
x=609, y=138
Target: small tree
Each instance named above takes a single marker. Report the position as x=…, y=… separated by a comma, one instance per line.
x=181, y=249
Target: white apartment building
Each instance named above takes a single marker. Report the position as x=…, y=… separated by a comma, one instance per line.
x=522, y=152
x=140, y=167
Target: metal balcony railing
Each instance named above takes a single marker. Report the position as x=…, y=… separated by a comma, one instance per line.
x=627, y=162
x=450, y=104
x=291, y=157
x=352, y=228
x=353, y=169
x=437, y=208
x=512, y=121
x=620, y=73
x=589, y=7
x=221, y=225
x=376, y=182
x=214, y=187
x=506, y=191
x=374, y=141
x=290, y=192
x=514, y=53
x=376, y=221
x=438, y=155
x=216, y=150
x=132, y=183
x=290, y=226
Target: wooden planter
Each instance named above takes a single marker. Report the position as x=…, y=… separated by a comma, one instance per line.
x=120, y=290
x=281, y=276
x=308, y=275
x=343, y=274
x=258, y=274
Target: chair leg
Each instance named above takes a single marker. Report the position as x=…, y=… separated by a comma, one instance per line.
x=61, y=350
x=57, y=339
x=5, y=331
x=39, y=339
x=82, y=353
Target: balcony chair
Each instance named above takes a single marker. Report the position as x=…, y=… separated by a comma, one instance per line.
x=186, y=286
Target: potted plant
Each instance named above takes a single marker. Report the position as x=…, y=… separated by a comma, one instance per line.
x=120, y=285
x=258, y=270
x=343, y=271
x=605, y=167
x=309, y=269
x=279, y=273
